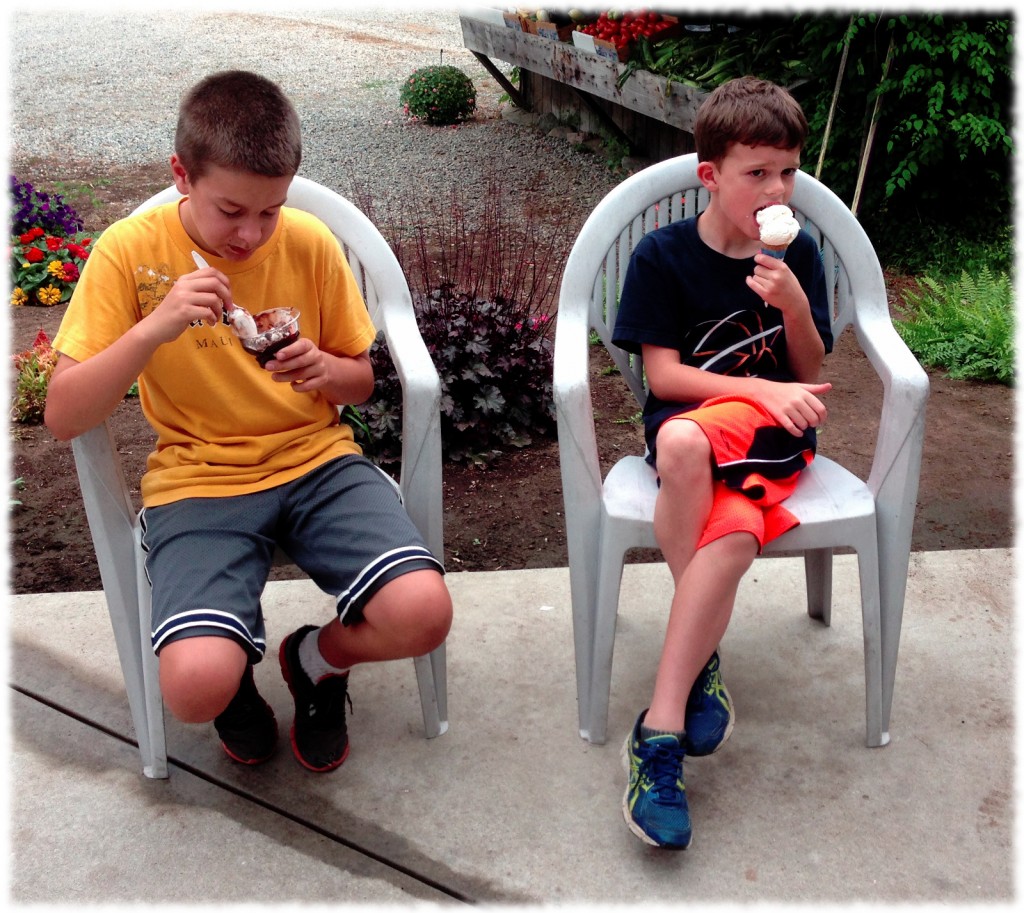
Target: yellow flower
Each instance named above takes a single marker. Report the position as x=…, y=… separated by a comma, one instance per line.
x=18, y=297
x=49, y=295
x=56, y=269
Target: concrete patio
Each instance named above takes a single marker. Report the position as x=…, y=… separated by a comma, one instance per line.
x=510, y=806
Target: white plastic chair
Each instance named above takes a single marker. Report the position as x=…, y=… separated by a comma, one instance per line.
x=836, y=509
x=113, y=520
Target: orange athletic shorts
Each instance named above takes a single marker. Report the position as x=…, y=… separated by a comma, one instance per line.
x=756, y=467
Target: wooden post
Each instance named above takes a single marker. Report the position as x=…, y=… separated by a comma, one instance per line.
x=871, y=130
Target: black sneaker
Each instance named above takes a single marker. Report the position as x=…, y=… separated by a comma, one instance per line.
x=247, y=728
x=319, y=733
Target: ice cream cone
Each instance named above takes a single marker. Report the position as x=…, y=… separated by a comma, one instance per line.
x=778, y=229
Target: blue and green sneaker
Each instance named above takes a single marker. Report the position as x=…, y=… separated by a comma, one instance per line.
x=709, y=714
x=654, y=805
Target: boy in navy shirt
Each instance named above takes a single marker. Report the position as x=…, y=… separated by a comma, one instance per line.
x=733, y=341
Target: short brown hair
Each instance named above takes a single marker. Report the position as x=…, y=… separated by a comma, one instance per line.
x=750, y=111
x=240, y=120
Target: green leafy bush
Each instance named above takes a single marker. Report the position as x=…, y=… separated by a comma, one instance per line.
x=494, y=360
x=938, y=90
x=483, y=295
x=439, y=95
x=964, y=326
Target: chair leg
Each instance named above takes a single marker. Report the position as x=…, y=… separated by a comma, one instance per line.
x=439, y=666
x=152, y=738
x=867, y=560
x=583, y=648
x=154, y=747
x=431, y=677
x=893, y=599
x=818, y=576
x=605, y=614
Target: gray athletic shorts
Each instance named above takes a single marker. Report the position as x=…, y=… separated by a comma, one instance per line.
x=208, y=558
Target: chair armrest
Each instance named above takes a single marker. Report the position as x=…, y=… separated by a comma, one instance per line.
x=905, y=395
x=108, y=507
x=421, y=420
x=577, y=440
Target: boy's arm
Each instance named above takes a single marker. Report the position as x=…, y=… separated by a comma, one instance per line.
x=795, y=406
x=81, y=394
x=778, y=286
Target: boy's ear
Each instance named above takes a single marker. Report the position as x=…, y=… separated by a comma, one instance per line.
x=706, y=174
x=180, y=175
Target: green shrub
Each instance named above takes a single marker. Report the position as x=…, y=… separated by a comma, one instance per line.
x=964, y=326
x=940, y=248
x=484, y=290
x=439, y=95
x=494, y=361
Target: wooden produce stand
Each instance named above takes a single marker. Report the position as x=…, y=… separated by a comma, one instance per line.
x=652, y=116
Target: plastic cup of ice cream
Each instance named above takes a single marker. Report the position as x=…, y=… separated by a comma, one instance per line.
x=276, y=328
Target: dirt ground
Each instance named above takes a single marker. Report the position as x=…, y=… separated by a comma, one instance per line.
x=509, y=515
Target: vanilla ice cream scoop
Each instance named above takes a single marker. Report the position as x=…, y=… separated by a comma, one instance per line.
x=778, y=228
x=239, y=319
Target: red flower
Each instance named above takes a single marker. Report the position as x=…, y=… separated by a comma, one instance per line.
x=36, y=232
x=78, y=250
x=42, y=340
x=34, y=255
x=27, y=238
x=53, y=243
x=70, y=272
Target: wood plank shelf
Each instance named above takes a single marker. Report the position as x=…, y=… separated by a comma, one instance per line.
x=644, y=92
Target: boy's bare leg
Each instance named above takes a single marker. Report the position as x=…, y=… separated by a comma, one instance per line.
x=700, y=613
x=409, y=616
x=199, y=676
x=706, y=580
x=684, y=498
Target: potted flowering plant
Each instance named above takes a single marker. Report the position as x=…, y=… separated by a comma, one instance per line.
x=47, y=253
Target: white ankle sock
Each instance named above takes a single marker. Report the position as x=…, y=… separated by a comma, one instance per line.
x=312, y=660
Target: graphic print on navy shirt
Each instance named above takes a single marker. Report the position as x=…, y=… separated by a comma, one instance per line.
x=741, y=343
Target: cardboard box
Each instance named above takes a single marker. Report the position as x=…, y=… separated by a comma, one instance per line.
x=515, y=22
x=552, y=31
x=591, y=45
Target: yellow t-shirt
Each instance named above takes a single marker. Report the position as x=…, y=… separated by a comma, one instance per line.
x=223, y=426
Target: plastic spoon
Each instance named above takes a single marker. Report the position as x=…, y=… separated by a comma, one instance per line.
x=240, y=319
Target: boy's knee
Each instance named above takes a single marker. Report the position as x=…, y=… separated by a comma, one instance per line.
x=200, y=675
x=433, y=616
x=683, y=450
x=417, y=608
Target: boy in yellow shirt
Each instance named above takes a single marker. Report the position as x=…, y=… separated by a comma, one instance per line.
x=247, y=458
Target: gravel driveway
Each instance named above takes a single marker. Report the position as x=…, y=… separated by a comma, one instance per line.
x=105, y=87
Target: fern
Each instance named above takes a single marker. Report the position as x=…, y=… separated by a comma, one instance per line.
x=963, y=326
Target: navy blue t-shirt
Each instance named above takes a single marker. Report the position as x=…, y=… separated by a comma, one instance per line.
x=679, y=293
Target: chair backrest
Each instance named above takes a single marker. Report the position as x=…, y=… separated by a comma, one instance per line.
x=670, y=191
x=389, y=302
